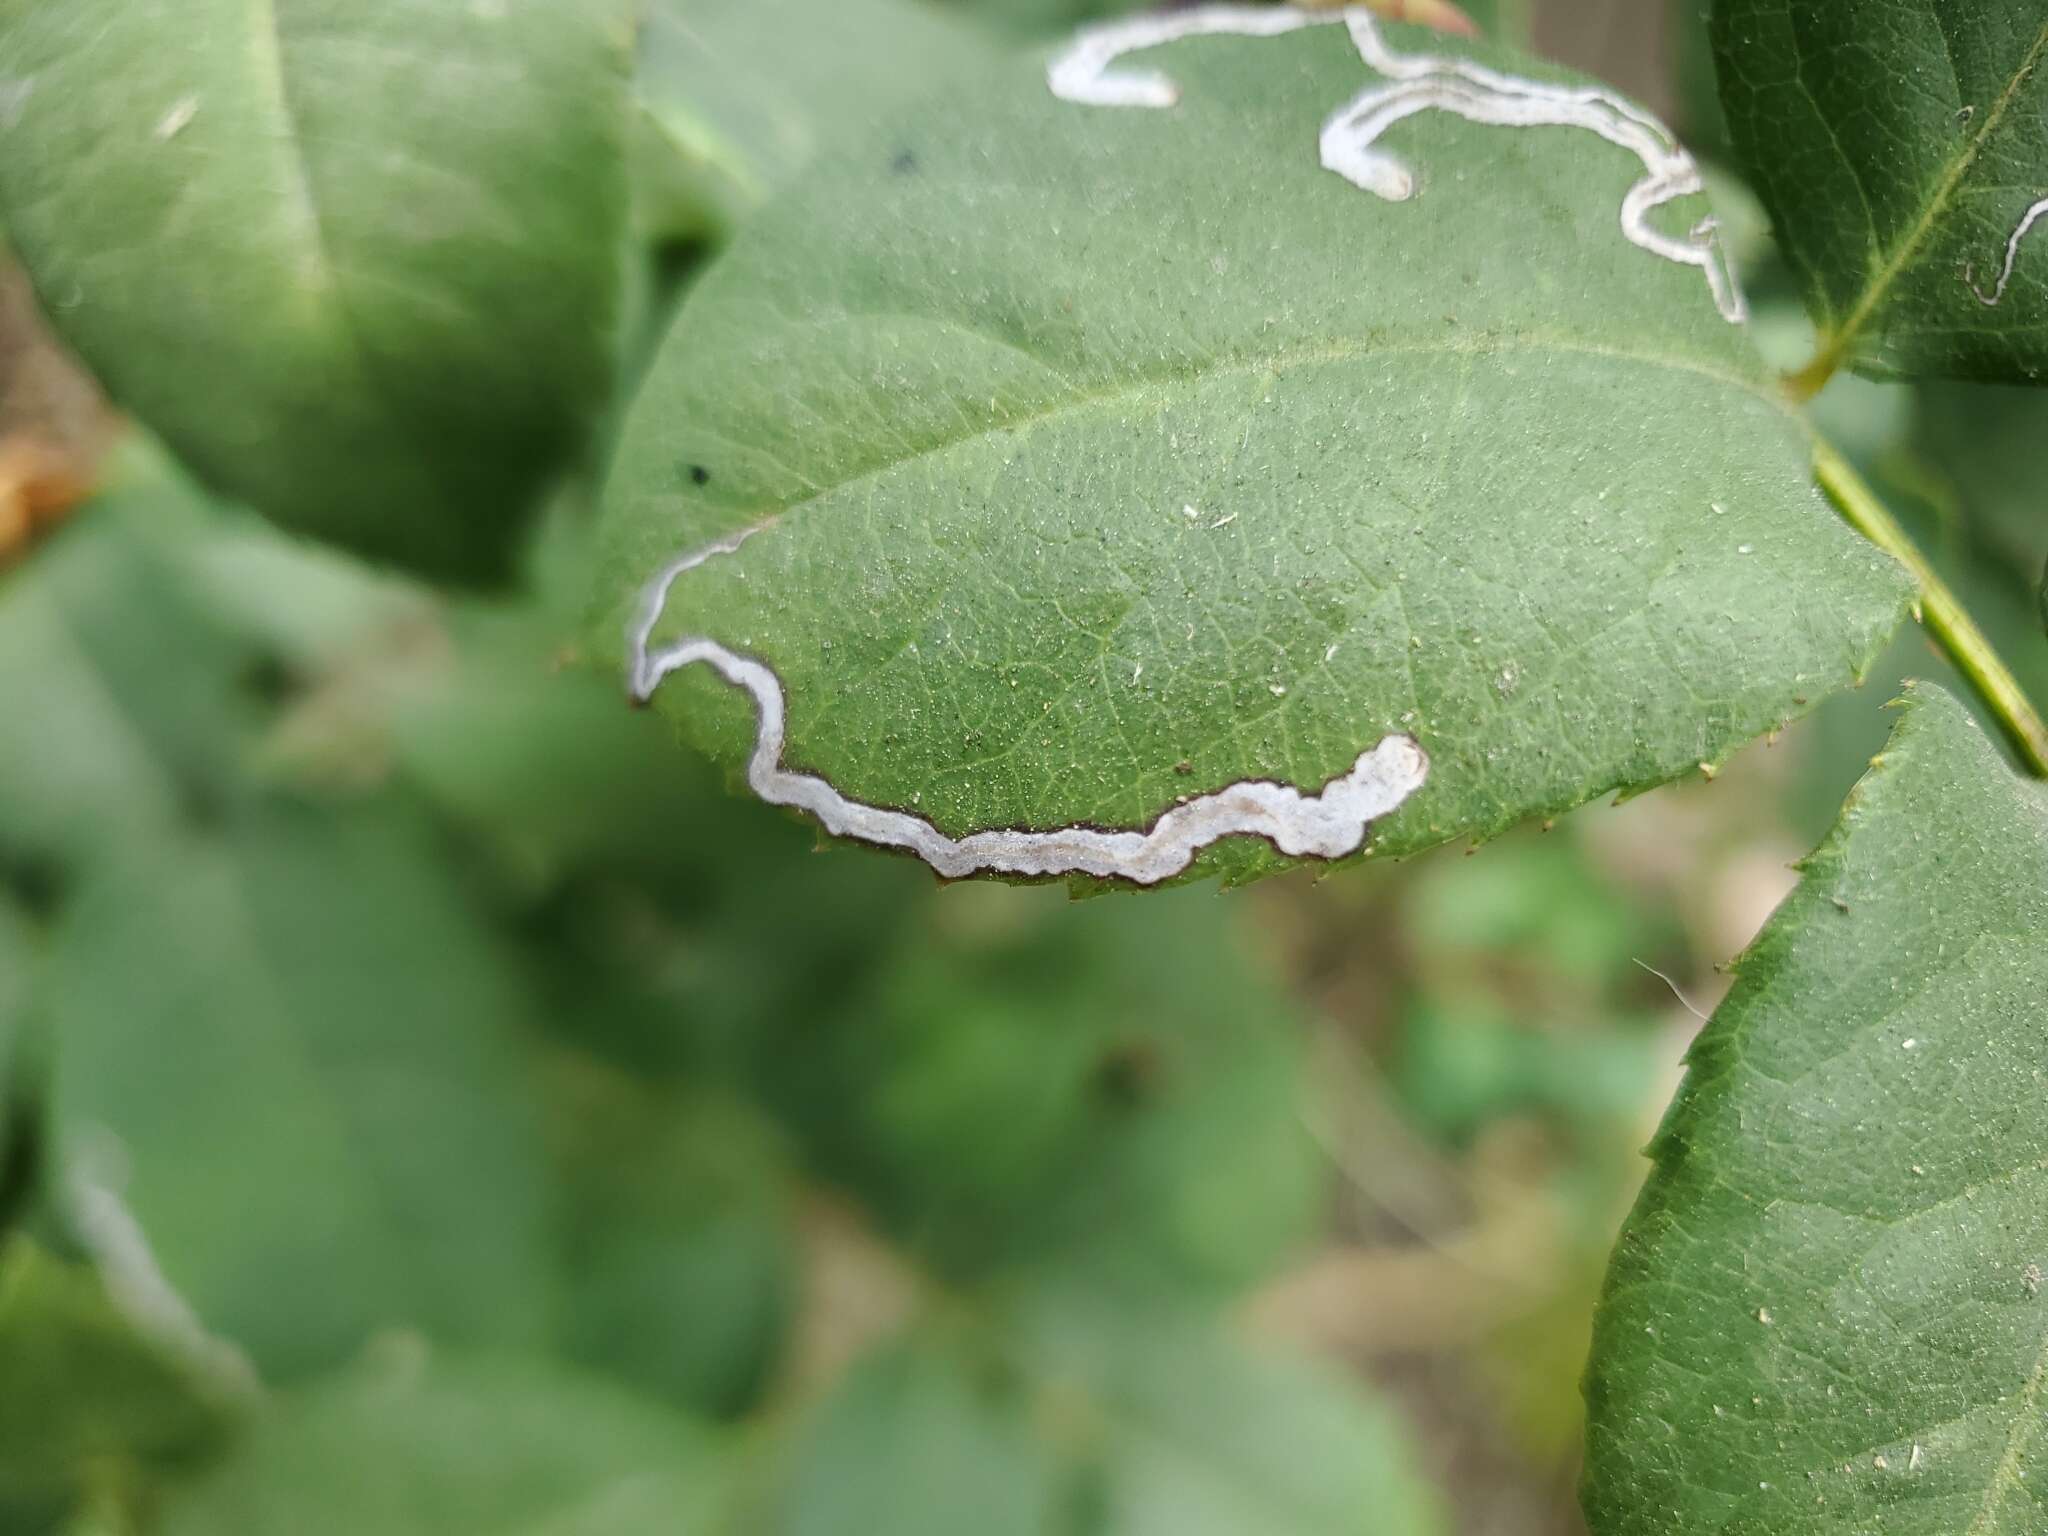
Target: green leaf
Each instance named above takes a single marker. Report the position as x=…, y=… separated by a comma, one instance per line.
x=414, y=1443
x=1902, y=150
x=912, y=1441
x=87, y=1397
x=1030, y=1085
x=1039, y=18
x=1132, y=1425
x=745, y=92
x=1203, y=1435
x=138, y=695
x=677, y=1220
x=533, y=759
x=18, y=957
x=287, y=1083
x=1506, y=21
x=1698, y=105
x=1096, y=462
x=1826, y=1313
x=358, y=264
x=1982, y=446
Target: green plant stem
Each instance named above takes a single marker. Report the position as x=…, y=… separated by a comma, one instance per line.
x=1813, y=378
x=1938, y=608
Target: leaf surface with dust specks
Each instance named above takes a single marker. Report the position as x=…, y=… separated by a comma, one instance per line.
x=1105, y=456
x=358, y=261
x=1901, y=147
x=1826, y=1316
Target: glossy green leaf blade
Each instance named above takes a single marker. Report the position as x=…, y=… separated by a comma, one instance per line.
x=287, y=1069
x=358, y=261
x=1094, y=458
x=412, y=1443
x=1825, y=1317
x=1901, y=147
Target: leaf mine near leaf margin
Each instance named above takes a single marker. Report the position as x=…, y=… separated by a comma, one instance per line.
x=2034, y=214
x=1337, y=820
x=1084, y=73
x=995, y=411
x=1326, y=825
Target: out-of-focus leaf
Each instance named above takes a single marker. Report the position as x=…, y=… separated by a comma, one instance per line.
x=742, y=93
x=88, y=1399
x=18, y=959
x=287, y=1057
x=922, y=1437
x=1505, y=21
x=1039, y=18
x=1984, y=445
x=1086, y=477
x=1902, y=149
x=1531, y=902
x=1033, y=1083
x=130, y=704
x=417, y=1443
x=1204, y=1436
x=1825, y=1314
x=537, y=757
x=1691, y=49
x=358, y=263
x=1462, y=1067
x=1134, y=1426
x=1508, y=21
x=678, y=1232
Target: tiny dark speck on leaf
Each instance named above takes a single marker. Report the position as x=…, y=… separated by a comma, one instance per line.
x=699, y=475
x=1128, y=1073
x=904, y=163
x=1183, y=766
x=38, y=885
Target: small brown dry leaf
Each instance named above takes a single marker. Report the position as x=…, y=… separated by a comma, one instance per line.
x=38, y=486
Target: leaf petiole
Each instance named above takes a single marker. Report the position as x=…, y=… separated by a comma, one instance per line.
x=1938, y=608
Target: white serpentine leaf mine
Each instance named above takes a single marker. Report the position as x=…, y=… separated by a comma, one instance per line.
x=1325, y=825
x=1415, y=83
x=1996, y=296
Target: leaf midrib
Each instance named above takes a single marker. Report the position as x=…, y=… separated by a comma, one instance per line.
x=1484, y=345
x=1908, y=249
x=267, y=25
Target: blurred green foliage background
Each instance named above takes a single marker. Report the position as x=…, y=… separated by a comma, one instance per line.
x=429, y=1101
